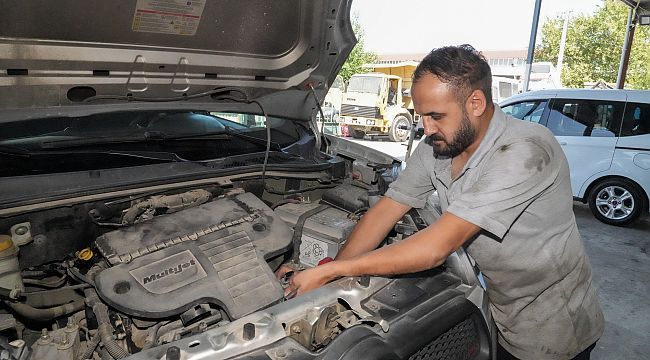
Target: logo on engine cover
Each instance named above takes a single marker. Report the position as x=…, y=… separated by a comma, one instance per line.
x=170, y=273
x=175, y=270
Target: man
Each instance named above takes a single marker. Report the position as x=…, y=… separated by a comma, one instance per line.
x=505, y=194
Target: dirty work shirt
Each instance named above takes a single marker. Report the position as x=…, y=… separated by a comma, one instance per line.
x=516, y=187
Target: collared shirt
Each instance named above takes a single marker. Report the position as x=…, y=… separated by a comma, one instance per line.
x=516, y=187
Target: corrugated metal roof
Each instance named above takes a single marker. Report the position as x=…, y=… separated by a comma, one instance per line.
x=644, y=5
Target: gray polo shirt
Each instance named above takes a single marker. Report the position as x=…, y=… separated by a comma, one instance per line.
x=516, y=187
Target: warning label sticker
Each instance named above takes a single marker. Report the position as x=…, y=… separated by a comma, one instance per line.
x=314, y=250
x=168, y=16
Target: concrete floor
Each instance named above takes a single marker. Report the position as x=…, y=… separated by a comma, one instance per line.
x=621, y=273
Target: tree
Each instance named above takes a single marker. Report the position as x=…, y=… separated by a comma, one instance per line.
x=358, y=56
x=593, y=47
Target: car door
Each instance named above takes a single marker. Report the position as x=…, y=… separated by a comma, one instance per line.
x=587, y=130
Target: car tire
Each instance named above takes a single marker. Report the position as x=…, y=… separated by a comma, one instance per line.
x=616, y=202
x=395, y=133
x=358, y=134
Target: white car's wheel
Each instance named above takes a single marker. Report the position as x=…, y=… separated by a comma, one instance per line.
x=616, y=201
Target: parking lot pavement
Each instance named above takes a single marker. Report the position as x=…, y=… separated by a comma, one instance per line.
x=621, y=274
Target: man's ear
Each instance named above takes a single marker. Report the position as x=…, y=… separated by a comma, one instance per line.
x=476, y=103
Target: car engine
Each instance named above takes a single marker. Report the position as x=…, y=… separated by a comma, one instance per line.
x=212, y=253
x=162, y=267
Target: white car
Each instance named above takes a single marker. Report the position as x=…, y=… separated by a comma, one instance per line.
x=605, y=135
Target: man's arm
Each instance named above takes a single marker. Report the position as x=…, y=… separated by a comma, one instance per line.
x=373, y=228
x=423, y=250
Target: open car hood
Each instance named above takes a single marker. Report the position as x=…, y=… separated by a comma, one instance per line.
x=67, y=53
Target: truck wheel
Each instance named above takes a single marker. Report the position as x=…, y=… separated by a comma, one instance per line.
x=616, y=201
x=358, y=134
x=397, y=132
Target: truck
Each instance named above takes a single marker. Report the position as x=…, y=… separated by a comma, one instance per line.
x=378, y=104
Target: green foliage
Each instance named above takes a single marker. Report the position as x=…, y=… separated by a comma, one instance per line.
x=593, y=47
x=358, y=56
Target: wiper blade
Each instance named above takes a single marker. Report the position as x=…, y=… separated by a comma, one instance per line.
x=14, y=151
x=228, y=133
x=149, y=155
x=153, y=136
x=85, y=141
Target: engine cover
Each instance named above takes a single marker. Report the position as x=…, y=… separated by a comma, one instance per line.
x=213, y=253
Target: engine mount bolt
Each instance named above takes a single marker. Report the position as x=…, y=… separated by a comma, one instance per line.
x=44, y=334
x=373, y=307
x=281, y=353
x=296, y=329
x=173, y=353
x=249, y=331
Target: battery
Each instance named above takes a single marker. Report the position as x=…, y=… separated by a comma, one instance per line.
x=323, y=233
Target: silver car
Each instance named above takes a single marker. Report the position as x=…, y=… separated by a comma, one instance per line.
x=161, y=159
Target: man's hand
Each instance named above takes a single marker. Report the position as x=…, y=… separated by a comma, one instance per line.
x=310, y=279
x=282, y=271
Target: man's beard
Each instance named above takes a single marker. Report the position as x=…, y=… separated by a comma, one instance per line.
x=463, y=138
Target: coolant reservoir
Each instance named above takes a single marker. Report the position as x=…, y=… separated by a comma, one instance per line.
x=9, y=268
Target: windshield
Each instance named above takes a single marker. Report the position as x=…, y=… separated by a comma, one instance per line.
x=116, y=139
x=365, y=84
x=139, y=124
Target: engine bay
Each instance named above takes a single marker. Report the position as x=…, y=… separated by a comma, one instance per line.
x=152, y=269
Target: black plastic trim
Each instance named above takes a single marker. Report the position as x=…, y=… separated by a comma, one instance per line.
x=631, y=148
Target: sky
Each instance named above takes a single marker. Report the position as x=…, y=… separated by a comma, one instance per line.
x=417, y=26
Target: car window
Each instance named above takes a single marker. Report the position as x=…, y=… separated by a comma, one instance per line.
x=595, y=118
x=636, y=120
x=528, y=110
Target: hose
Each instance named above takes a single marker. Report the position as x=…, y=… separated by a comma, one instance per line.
x=104, y=355
x=45, y=314
x=51, y=283
x=5, y=293
x=77, y=275
x=104, y=330
x=92, y=344
x=154, y=336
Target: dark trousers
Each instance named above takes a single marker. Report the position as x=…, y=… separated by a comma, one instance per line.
x=503, y=354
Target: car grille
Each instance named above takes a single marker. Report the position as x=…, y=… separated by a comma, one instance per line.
x=355, y=110
x=459, y=342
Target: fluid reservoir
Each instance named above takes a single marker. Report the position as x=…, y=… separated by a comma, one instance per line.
x=9, y=268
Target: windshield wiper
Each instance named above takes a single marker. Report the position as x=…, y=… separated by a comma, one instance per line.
x=226, y=134
x=154, y=136
x=150, y=155
x=14, y=151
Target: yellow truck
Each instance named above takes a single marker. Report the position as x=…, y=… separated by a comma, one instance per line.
x=379, y=103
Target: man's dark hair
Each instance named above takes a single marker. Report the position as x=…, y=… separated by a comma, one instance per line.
x=462, y=67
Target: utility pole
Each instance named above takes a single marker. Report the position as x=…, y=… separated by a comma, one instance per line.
x=627, y=48
x=560, y=57
x=531, y=43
